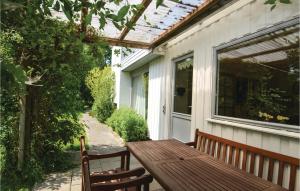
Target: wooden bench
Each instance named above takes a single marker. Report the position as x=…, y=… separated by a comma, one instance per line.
x=239, y=155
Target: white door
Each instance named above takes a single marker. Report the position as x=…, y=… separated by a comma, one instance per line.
x=182, y=98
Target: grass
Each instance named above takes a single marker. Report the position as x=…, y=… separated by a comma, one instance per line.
x=75, y=146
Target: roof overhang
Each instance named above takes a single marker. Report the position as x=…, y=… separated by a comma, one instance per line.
x=138, y=59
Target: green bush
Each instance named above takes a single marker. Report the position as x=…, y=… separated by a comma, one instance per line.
x=129, y=125
x=60, y=60
x=101, y=84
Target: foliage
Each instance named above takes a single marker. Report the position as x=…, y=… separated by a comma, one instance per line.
x=274, y=3
x=75, y=144
x=128, y=124
x=72, y=10
x=101, y=84
x=50, y=53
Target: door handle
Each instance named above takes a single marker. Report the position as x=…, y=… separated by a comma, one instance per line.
x=164, y=109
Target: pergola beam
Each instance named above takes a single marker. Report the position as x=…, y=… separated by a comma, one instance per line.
x=135, y=18
x=126, y=43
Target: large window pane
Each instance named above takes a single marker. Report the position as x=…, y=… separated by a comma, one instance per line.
x=258, y=79
x=183, y=86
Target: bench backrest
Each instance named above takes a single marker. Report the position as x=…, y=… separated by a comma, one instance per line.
x=239, y=155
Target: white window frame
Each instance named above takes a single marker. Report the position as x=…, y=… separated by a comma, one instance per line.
x=261, y=32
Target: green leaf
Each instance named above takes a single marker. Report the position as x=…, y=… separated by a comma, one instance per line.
x=102, y=22
x=270, y=2
x=56, y=6
x=273, y=6
x=285, y=1
x=67, y=13
x=88, y=18
x=50, y=3
x=113, y=17
x=117, y=25
x=159, y=2
x=100, y=5
x=123, y=12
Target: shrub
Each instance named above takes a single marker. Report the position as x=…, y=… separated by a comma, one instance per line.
x=61, y=61
x=101, y=84
x=128, y=124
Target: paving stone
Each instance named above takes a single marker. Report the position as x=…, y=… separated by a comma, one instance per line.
x=55, y=181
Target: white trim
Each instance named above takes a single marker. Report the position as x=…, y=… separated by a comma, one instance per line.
x=284, y=133
x=181, y=116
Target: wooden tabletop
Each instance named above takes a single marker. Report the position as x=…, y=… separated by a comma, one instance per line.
x=177, y=166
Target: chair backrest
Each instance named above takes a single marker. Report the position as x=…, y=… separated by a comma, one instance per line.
x=137, y=182
x=239, y=155
x=82, y=146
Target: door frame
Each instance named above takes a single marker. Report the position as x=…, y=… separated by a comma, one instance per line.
x=172, y=113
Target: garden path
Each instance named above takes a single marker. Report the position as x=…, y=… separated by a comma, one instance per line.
x=100, y=138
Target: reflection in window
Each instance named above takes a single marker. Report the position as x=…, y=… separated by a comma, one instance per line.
x=183, y=86
x=258, y=79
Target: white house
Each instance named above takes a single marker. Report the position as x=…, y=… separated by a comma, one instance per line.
x=234, y=74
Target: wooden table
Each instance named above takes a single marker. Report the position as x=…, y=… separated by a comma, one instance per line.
x=177, y=166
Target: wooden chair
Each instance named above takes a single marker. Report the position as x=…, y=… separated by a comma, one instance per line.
x=238, y=155
x=125, y=181
x=124, y=164
x=125, y=155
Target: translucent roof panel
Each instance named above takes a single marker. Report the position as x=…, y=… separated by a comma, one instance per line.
x=154, y=21
x=151, y=23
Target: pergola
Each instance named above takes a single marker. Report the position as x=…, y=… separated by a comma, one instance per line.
x=154, y=26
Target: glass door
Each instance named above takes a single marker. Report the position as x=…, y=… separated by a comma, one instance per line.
x=182, y=98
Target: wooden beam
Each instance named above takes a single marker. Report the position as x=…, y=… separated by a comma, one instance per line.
x=184, y=23
x=126, y=43
x=135, y=18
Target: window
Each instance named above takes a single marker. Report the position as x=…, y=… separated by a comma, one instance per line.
x=183, y=86
x=258, y=78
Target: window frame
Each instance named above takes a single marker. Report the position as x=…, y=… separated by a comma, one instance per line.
x=215, y=79
x=174, y=61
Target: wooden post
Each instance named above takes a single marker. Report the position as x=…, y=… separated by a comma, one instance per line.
x=28, y=112
x=21, y=132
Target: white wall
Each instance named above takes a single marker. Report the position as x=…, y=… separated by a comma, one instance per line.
x=234, y=21
x=155, y=99
x=122, y=81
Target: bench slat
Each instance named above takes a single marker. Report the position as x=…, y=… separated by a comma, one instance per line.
x=280, y=173
x=234, y=150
